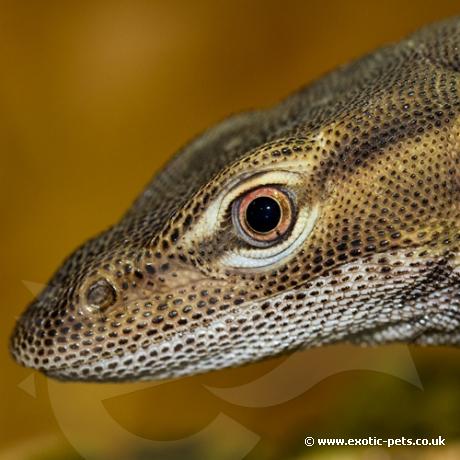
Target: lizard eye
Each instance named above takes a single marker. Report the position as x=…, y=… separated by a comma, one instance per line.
x=263, y=215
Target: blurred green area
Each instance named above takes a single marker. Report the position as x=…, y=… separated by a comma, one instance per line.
x=94, y=97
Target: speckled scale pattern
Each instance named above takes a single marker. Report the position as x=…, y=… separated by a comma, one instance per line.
x=370, y=154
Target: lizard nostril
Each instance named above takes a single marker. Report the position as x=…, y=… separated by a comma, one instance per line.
x=101, y=294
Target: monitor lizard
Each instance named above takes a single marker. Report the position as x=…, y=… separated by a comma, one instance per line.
x=331, y=217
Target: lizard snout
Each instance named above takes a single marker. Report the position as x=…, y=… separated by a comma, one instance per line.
x=121, y=320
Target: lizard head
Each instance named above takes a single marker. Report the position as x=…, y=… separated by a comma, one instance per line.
x=332, y=217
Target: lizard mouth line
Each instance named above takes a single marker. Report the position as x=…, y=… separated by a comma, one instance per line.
x=62, y=371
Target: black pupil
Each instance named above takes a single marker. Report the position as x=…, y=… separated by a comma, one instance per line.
x=263, y=214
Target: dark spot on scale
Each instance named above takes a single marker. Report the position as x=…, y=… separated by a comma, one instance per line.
x=138, y=274
x=174, y=235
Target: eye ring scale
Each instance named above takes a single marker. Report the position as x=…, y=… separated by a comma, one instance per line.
x=263, y=215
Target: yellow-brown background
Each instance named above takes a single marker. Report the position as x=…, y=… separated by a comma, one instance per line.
x=94, y=97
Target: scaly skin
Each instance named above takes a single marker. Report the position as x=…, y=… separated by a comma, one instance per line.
x=369, y=155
